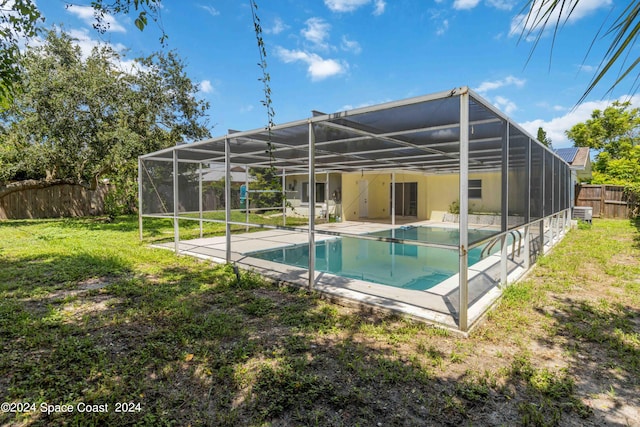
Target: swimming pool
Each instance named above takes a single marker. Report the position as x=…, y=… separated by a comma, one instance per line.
x=401, y=265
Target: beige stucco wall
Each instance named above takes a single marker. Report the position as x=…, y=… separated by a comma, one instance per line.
x=350, y=204
x=435, y=193
x=442, y=190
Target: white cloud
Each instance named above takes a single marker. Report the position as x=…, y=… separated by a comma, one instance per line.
x=443, y=27
x=587, y=68
x=131, y=66
x=550, y=107
x=318, y=67
x=497, y=84
x=350, y=45
x=278, y=27
x=502, y=4
x=557, y=126
x=86, y=14
x=212, y=10
x=379, y=7
x=351, y=5
x=83, y=40
x=344, y=5
x=316, y=31
x=578, y=10
x=86, y=43
x=504, y=104
x=439, y=20
x=465, y=4
x=9, y=12
x=246, y=108
x=206, y=86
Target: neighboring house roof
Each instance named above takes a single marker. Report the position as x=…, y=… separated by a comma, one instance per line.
x=567, y=154
x=217, y=172
x=579, y=160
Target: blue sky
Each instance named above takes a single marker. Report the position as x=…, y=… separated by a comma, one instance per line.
x=332, y=55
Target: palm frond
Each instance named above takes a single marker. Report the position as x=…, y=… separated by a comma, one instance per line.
x=625, y=30
x=544, y=15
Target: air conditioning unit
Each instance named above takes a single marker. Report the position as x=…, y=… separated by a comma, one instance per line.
x=584, y=213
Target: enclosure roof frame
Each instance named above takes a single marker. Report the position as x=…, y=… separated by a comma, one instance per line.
x=420, y=134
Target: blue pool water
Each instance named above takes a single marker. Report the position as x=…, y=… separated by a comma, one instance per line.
x=400, y=265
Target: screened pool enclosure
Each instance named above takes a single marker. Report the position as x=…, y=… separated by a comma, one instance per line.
x=427, y=206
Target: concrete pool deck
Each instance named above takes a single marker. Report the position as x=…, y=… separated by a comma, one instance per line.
x=438, y=304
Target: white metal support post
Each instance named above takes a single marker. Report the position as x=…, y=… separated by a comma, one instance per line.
x=246, y=197
x=553, y=203
x=541, y=236
x=312, y=205
x=140, y=197
x=284, y=198
x=176, y=225
x=543, y=187
x=527, y=219
x=463, y=286
x=393, y=199
x=527, y=247
x=227, y=197
x=504, y=259
x=393, y=222
x=326, y=196
x=200, y=195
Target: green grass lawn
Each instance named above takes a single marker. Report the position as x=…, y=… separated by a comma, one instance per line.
x=158, y=230
x=90, y=316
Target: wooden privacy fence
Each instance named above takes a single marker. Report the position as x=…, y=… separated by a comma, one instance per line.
x=37, y=199
x=607, y=201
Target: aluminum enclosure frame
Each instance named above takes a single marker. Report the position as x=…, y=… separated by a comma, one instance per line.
x=449, y=132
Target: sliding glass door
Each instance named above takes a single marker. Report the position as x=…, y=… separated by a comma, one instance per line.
x=406, y=199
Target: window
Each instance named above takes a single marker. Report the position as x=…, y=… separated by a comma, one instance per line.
x=320, y=194
x=475, y=189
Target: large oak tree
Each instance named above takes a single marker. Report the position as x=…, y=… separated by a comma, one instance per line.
x=84, y=119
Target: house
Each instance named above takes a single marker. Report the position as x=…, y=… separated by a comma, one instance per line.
x=579, y=162
x=217, y=172
x=410, y=195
